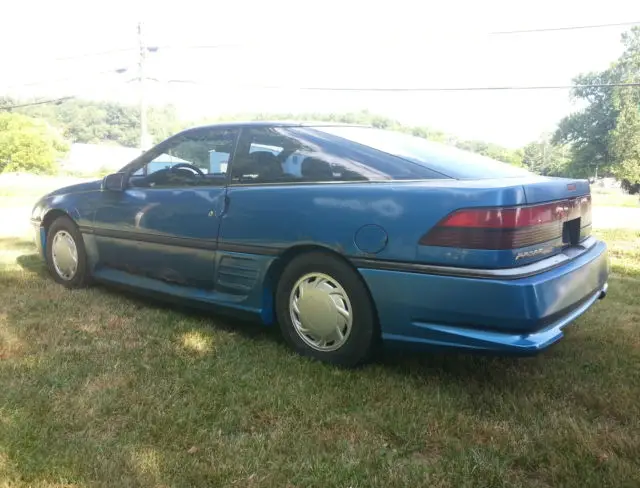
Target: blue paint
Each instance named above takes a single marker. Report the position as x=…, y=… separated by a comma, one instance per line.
x=371, y=239
x=447, y=336
x=146, y=212
x=408, y=301
x=250, y=301
x=222, y=244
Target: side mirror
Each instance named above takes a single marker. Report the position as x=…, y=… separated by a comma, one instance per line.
x=114, y=182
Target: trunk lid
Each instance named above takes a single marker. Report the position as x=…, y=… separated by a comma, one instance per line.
x=543, y=189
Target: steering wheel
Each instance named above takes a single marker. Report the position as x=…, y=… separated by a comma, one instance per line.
x=193, y=168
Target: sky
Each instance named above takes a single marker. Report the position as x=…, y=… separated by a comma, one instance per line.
x=47, y=50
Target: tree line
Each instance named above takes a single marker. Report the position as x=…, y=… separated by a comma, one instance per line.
x=603, y=137
x=98, y=122
x=605, y=134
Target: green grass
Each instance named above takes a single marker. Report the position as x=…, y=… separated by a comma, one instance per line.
x=100, y=388
x=18, y=201
x=624, y=252
x=20, y=192
x=614, y=199
x=22, y=196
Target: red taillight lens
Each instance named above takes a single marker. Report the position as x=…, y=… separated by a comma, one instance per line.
x=507, y=228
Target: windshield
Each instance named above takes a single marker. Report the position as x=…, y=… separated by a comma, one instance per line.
x=444, y=159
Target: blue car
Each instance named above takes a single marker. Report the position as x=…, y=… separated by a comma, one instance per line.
x=347, y=237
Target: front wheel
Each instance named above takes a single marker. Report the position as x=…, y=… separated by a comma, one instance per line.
x=324, y=310
x=66, y=256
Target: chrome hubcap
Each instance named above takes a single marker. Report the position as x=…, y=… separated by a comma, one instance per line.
x=64, y=255
x=321, y=312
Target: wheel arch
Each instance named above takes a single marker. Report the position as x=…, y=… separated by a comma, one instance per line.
x=49, y=218
x=277, y=267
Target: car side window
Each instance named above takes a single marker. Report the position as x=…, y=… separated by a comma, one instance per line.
x=196, y=158
x=269, y=155
x=276, y=155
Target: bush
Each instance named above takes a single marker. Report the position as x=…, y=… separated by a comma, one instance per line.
x=28, y=145
x=631, y=188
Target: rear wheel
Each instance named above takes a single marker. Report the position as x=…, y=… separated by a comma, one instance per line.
x=324, y=310
x=65, y=252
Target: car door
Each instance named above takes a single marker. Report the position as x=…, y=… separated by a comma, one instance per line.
x=164, y=224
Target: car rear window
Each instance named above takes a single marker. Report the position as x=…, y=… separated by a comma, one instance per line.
x=453, y=162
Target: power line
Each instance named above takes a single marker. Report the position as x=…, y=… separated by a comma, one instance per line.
x=372, y=89
x=471, y=88
x=238, y=45
x=67, y=78
x=202, y=46
x=91, y=55
x=409, y=89
x=490, y=33
x=148, y=48
x=41, y=102
x=566, y=28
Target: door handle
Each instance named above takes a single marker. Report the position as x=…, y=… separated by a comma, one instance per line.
x=212, y=213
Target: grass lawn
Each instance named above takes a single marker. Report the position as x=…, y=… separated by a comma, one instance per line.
x=614, y=199
x=99, y=388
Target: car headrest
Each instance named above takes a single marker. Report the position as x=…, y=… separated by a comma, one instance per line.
x=316, y=169
x=265, y=164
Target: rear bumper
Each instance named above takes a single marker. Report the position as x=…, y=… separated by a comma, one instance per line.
x=519, y=316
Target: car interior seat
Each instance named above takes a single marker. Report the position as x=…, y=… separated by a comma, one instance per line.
x=314, y=169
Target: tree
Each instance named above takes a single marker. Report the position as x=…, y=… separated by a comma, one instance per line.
x=7, y=101
x=106, y=122
x=545, y=158
x=28, y=144
x=605, y=135
x=493, y=151
x=588, y=132
x=625, y=137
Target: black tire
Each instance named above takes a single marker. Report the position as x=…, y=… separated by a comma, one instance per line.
x=81, y=277
x=364, y=336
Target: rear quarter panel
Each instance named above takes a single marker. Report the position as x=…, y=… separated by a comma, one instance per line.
x=279, y=217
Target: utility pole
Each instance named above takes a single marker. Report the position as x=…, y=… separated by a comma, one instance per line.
x=142, y=87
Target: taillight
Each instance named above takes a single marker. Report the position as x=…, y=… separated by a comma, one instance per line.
x=585, y=217
x=507, y=228
x=585, y=210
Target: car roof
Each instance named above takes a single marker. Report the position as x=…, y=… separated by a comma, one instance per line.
x=272, y=123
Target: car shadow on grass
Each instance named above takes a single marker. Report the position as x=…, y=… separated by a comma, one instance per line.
x=482, y=366
x=246, y=326
x=398, y=361
x=456, y=365
x=16, y=243
x=33, y=263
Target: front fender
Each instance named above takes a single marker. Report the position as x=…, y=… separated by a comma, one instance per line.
x=43, y=213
